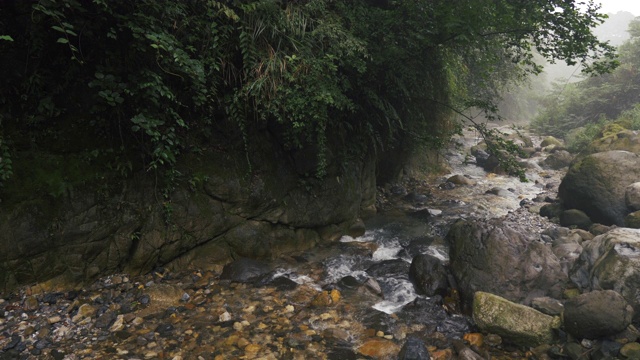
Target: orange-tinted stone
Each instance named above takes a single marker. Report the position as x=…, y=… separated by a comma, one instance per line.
x=379, y=348
x=474, y=339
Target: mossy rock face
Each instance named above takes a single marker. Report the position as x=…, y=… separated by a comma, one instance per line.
x=616, y=138
x=515, y=323
x=597, y=183
x=226, y=210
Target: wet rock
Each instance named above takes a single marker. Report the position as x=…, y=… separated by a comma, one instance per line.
x=465, y=353
x=378, y=348
x=424, y=311
x=575, y=218
x=460, y=180
x=611, y=261
x=164, y=329
x=597, y=314
x=414, y=349
x=551, y=210
x=517, y=324
x=499, y=192
x=84, y=311
x=482, y=251
x=632, y=196
x=454, y=326
x=557, y=160
x=282, y=283
x=547, y=305
x=576, y=352
x=428, y=275
x=326, y=298
x=349, y=282
x=608, y=349
x=105, y=320
x=597, y=184
x=630, y=351
x=396, y=268
x=245, y=270
x=373, y=286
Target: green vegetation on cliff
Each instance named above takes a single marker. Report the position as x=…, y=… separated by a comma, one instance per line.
x=135, y=85
x=581, y=111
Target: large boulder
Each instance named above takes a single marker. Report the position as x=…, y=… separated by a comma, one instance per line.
x=596, y=314
x=597, y=185
x=611, y=262
x=515, y=323
x=504, y=258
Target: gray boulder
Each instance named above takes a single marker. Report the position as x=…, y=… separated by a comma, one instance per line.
x=597, y=185
x=428, y=275
x=515, y=323
x=504, y=258
x=611, y=262
x=597, y=314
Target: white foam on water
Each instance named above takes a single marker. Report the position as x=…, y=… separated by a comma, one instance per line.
x=369, y=236
x=439, y=251
x=402, y=293
x=387, y=251
x=341, y=266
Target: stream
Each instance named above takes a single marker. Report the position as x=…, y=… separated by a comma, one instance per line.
x=294, y=313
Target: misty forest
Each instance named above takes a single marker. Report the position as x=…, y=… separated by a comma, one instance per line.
x=319, y=179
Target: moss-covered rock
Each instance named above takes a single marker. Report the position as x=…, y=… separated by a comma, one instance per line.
x=633, y=220
x=515, y=323
x=551, y=141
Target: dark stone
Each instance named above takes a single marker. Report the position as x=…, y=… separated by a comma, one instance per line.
x=428, y=275
x=597, y=314
x=608, y=349
x=574, y=217
x=164, y=330
x=105, y=320
x=349, y=282
x=342, y=353
x=454, y=326
x=551, y=211
x=576, y=352
x=244, y=270
x=414, y=349
x=57, y=355
x=424, y=311
x=283, y=283
x=396, y=268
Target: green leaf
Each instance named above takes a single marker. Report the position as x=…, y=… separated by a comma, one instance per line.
x=6, y=37
x=62, y=41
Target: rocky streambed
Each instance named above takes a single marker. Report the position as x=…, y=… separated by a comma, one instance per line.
x=462, y=267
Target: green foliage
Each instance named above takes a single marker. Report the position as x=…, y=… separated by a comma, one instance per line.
x=139, y=83
x=584, y=103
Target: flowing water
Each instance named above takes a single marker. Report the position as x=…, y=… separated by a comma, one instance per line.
x=396, y=239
